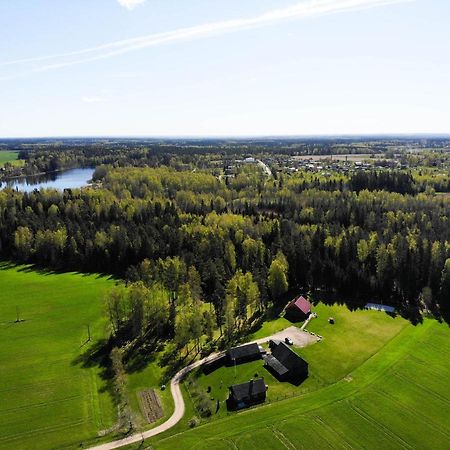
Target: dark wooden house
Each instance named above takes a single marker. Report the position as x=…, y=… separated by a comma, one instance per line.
x=273, y=343
x=285, y=364
x=214, y=364
x=244, y=353
x=247, y=394
x=298, y=309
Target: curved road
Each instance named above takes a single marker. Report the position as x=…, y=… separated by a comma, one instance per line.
x=265, y=167
x=300, y=338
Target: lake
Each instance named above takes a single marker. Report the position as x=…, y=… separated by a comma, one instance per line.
x=67, y=179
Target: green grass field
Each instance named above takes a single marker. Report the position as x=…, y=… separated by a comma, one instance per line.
x=149, y=377
x=375, y=381
x=354, y=338
x=47, y=399
x=381, y=383
x=8, y=156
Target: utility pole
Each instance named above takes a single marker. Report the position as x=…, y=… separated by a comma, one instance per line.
x=89, y=333
x=17, y=314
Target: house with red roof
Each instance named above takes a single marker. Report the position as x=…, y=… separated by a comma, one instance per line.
x=298, y=309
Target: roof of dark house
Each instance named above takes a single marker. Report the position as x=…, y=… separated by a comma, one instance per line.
x=273, y=343
x=243, y=351
x=275, y=365
x=213, y=364
x=288, y=358
x=249, y=389
x=300, y=303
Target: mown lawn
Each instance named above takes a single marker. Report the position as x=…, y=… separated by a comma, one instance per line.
x=220, y=379
x=385, y=385
x=354, y=338
x=48, y=400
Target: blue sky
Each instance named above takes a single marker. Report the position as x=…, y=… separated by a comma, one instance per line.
x=223, y=67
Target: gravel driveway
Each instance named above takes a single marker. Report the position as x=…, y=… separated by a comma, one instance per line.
x=299, y=338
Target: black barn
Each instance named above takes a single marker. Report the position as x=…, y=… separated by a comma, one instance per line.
x=285, y=364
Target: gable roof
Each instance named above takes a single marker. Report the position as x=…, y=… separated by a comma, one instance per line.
x=248, y=390
x=301, y=304
x=276, y=365
x=274, y=342
x=243, y=351
x=288, y=358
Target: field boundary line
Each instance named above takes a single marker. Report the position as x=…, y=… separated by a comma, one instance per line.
x=283, y=438
x=39, y=405
x=233, y=443
x=95, y=404
x=414, y=413
x=42, y=430
x=427, y=365
x=423, y=388
x=320, y=421
x=380, y=426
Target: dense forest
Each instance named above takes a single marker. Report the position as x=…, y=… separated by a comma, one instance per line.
x=186, y=233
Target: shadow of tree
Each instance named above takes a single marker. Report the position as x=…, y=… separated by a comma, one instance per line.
x=445, y=313
x=45, y=270
x=172, y=361
x=140, y=355
x=98, y=355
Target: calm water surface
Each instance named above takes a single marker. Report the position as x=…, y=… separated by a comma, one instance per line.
x=69, y=179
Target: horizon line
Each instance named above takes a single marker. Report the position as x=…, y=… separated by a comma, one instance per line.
x=231, y=136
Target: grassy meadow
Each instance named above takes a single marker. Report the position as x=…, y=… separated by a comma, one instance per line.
x=11, y=157
x=354, y=338
x=375, y=382
x=48, y=400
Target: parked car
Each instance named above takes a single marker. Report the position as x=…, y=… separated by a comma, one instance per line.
x=289, y=341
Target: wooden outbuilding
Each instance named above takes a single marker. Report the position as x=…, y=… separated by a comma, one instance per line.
x=244, y=353
x=298, y=309
x=247, y=394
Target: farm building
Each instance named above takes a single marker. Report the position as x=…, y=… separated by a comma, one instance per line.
x=285, y=364
x=273, y=343
x=377, y=307
x=244, y=353
x=214, y=364
x=247, y=394
x=298, y=309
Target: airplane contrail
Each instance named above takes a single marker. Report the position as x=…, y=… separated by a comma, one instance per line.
x=304, y=9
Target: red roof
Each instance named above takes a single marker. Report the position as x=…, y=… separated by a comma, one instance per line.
x=300, y=303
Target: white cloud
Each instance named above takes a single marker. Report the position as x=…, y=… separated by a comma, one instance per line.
x=92, y=99
x=306, y=8
x=131, y=4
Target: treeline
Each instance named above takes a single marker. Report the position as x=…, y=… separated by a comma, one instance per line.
x=389, y=180
x=265, y=234
x=401, y=181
